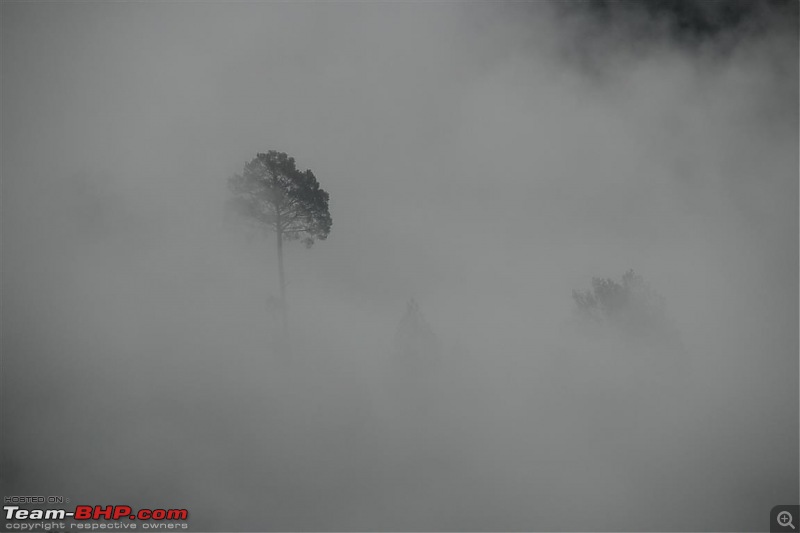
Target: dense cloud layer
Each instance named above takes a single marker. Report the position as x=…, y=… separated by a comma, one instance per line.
x=483, y=159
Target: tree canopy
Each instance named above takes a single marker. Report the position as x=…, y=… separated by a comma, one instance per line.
x=632, y=303
x=273, y=193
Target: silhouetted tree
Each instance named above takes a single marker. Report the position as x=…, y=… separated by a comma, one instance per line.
x=274, y=195
x=631, y=304
x=416, y=345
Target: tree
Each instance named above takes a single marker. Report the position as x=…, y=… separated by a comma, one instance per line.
x=273, y=194
x=416, y=345
x=631, y=305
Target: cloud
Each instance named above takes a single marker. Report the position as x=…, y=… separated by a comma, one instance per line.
x=484, y=159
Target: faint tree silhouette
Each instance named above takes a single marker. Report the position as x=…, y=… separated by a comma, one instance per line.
x=631, y=305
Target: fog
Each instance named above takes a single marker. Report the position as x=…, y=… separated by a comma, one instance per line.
x=484, y=160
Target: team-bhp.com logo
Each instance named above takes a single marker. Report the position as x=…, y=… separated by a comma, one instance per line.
x=96, y=512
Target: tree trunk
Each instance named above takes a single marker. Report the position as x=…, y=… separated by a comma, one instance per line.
x=284, y=312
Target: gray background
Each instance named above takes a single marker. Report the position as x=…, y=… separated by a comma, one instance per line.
x=484, y=159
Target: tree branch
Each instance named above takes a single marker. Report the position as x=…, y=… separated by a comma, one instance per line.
x=305, y=229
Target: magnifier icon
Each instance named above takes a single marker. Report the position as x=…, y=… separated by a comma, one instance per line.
x=785, y=519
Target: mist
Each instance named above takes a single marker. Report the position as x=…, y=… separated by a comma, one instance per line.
x=483, y=160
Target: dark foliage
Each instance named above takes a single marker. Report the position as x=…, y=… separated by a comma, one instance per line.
x=630, y=304
x=695, y=20
x=274, y=194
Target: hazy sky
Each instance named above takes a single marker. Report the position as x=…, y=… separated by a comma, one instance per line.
x=483, y=158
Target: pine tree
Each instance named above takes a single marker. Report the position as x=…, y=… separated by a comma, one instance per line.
x=416, y=346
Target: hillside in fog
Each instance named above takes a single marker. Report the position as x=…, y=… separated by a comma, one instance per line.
x=558, y=292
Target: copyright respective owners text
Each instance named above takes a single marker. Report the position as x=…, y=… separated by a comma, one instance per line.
x=59, y=513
